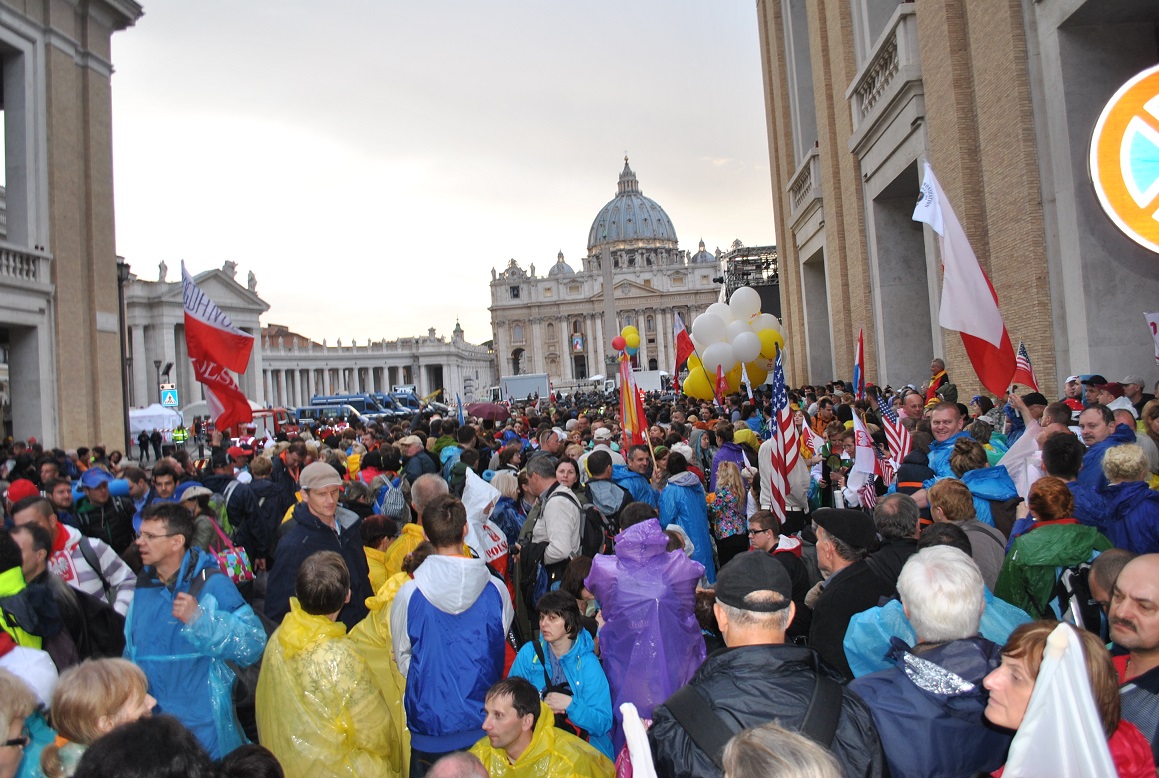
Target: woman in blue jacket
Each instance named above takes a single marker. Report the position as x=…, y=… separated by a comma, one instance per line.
x=683, y=502
x=565, y=655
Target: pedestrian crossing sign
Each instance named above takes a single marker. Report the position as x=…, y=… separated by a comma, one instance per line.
x=169, y=398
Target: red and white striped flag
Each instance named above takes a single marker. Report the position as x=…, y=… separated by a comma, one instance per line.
x=895, y=432
x=216, y=347
x=1023, y=370
x=786, y=446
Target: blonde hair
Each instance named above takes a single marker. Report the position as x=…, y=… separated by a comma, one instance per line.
x=1125, y=463
x=86, y=693
x=507, y=484
x=17, y=701
x=728, y=474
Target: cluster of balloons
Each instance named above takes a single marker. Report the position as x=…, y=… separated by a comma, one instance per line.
x=729, y=335
x=628, y=340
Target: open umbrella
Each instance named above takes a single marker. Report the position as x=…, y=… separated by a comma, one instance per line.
x=489, y=411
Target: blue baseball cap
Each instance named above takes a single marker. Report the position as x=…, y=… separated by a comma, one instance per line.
x=94, y=477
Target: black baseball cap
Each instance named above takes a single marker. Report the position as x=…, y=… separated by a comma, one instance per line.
x=1095, y=380
x=849, y=526
x=753, y=571
x=1034, y=398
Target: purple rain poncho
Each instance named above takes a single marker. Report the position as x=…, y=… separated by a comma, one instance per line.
x=651, y=643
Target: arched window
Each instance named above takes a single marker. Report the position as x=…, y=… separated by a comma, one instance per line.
x=629, y=320
x=650, y=325
x=550, y=331
x=576, y=327
x=517, y=333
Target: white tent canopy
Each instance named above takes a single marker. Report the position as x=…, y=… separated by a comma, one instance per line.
x=154, y=417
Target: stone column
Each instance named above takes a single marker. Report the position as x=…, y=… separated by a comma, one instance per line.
x=281, y=399
x=142, y=364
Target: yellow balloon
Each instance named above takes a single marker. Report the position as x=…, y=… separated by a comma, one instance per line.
x=698, y=385
x=771, y=340
x=629, y=331
x=757, y=372
x=733, y=378
x=632, y=339
x=693, y=362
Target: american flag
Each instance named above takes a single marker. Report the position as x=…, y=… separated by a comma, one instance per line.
x=895, y=431
x=884, y=469
x=1023, y=370
x=785, y=448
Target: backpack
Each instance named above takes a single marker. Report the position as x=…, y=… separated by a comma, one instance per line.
x=597, y=531
x=219, y=504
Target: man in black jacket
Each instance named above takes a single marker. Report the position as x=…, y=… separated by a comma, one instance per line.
x=758, y=679
x=896, y=517
x=844, y=538
x=318, y=523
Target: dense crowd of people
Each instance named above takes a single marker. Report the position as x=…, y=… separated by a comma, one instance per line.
x=526, y=594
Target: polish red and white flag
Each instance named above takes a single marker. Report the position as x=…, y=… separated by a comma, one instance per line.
x=969, y=302
x=216, y=347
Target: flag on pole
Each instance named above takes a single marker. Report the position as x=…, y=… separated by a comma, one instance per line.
x=744, y=376
x=969, y=303
x=811, y=442
x=684, y=346
x=459, y=402
x=720, y=388
x=1153, y=326
x=632, y=419
x=215, y=347
x=895, y=432
x=785, y=448
x=859, y=366
x=1023, y=370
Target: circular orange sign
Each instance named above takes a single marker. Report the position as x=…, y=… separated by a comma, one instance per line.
x=1124, y=159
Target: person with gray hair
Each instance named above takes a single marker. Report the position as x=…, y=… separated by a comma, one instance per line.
x=896, y=518
x=757, y=680
x=772, y=750
x=928, y=708
x=461, y=764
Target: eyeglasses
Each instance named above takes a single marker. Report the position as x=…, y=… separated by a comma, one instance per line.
x=150, y=537
x=19, y=742
x=758, y=531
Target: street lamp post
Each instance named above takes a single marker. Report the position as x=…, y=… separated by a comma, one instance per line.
x=157, y=371
x=122, y=279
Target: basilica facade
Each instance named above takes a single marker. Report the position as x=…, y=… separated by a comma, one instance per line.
x=554, y=323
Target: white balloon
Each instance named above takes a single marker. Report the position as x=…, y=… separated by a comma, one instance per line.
x=746, y=346
x=735, y=328
x=745, y=303
x=766, y=321
x=717, y=355
x=708, y=328
x=722, y=310
x=698, y=344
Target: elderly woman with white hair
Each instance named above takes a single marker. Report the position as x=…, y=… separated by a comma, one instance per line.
x=928, y=708
x=1132, y=506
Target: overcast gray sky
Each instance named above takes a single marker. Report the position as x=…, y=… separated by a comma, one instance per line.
x=371, y=160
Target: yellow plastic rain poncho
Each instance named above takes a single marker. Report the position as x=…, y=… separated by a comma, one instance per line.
x=371, y=638
x=553, y=753
x=318, y=710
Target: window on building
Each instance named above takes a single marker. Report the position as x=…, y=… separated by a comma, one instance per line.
x=576, y=326
x=514, y=292
x=517, y=333
x=649, y=324
x=548, y=292
x=648, y=282
x=678, y=280
x=550, y=331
